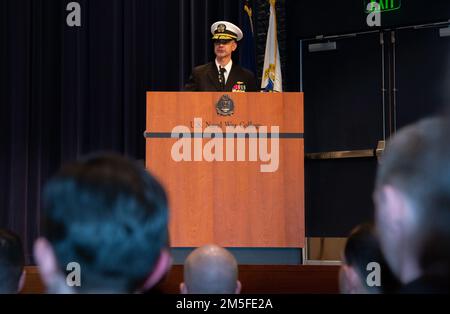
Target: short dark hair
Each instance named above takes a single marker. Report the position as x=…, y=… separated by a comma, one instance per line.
x=12, y=261
x=108, y=214
x=362, y=247
x=417, y=162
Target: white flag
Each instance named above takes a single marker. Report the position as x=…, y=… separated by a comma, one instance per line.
x=271, y=77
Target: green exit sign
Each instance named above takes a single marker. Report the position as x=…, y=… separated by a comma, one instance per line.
x=385, y=5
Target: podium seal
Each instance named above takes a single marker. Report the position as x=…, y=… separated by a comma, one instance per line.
x=225, y=106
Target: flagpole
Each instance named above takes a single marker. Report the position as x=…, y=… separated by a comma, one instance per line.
x=273, y=4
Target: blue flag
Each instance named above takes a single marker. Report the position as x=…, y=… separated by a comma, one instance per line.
x=247, y=45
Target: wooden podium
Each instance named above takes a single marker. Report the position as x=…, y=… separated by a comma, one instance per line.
x=232, y=200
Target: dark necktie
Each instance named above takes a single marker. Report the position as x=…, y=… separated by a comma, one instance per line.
x=222, y=77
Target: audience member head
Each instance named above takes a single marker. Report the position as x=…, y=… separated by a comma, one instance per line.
x=210, y=269
x=12, y=260
x=362, y=249
x=109, y=215
x=412, y=198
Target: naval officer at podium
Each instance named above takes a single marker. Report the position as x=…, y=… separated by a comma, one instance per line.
x=222, y=74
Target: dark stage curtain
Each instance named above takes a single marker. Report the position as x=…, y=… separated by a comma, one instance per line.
x=68, y=91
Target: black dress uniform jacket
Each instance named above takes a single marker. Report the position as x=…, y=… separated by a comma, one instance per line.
x=205, y=78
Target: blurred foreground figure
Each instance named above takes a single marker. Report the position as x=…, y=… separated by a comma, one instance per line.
x=412, y=198
x=12, y=260
x=361, y=250
x=105, y=220
x=210, y=269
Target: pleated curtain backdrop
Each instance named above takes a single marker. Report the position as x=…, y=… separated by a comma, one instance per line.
x=69, y=91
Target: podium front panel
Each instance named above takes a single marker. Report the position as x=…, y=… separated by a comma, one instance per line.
x=227, y=201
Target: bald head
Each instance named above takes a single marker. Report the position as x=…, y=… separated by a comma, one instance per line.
x=210, y=269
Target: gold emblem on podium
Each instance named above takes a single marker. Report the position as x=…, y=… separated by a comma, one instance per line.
x=225, y=106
